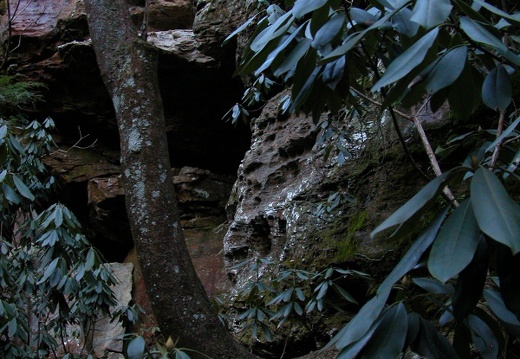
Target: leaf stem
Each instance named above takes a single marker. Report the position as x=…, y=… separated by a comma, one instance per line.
x=496, y=151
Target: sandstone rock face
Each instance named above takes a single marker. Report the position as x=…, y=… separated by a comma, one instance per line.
x=50, y=44
x=280, y=166
x=215, y=20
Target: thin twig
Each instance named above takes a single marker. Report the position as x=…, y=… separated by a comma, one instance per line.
x=144, y=26
x=76, y=145
x=496, y=151
x=375, y=102
x=431, y=155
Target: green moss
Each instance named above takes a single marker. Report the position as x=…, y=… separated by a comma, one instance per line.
x=15, y=94
x=340, y=237
x=349, y=246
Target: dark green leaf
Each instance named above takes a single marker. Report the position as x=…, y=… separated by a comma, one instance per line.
x=414, y=205
x=344, y=293
x=10, y=194
x=447, y=70
x=402, y=23
x=305, y=90
x=12, y=327
x=22, y=188
x=283, y=45
x=354, y=38
x=333, y=72
x=464, y=94
x=292, y=59
x=407, y=61
x=90, y=261
x=433, y=286
x=430, y=13
x=462, y=340
x=497, y=89
x=431, y=344
x=362, y=17
x=479, y=34
x=329, y=31
x=483, y=337
x=496, y=303
x=239, y=29
x=361, y=323
x=456, y=243
x=49, y=270
x=323, y=290
x=515, y=18
x=414, y=326
x=507, y=132
x=272, y=32
x=470, y=283
x=302, y=7
x=58, y=218
x=508, y=268
x=411, y=258
x=497, y=214
x=389, y=336
x=135, y=349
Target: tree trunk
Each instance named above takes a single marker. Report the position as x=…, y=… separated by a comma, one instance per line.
x=128, y=66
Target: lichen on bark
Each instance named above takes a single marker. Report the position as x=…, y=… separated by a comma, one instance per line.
x=128, y=66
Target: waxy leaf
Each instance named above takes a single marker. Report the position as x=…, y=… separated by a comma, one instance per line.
x=507, y=132
x=515, y=18
x=433, y=285
x=483, y=337
x=497, y=214
x=281, y=47
x=329, y=31
x=333, y=72
x=3, y=131
x=22, y=188
x=292, y=59
x=411, y=258
x=272, y=32
x=360, y=325
x=302, y=7
x=362, y=17
x=479, y=34
x=431, y=344
x=455, y=245
x=497, y=89
x=389, y=336
x=470, y=282
x=430, y=13
x=508, y=268
x=447, y=69
x=402, y=23
x=496, y=303
x=10, y=194
x=135, y=349
x=239, y=29
x=464, y=94
x=407, y=61
x=415, y=204
x=355, y=38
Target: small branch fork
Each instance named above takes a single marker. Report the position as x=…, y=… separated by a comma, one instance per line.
x=422, y=134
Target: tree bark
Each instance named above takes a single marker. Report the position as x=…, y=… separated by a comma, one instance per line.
x=128, y=66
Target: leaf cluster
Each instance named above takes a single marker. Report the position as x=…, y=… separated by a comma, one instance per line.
x=49, y=273
x=269, y=301
x=405, y=52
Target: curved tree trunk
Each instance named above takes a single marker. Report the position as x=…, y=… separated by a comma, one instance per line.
x=128, y=66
